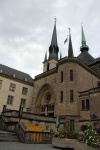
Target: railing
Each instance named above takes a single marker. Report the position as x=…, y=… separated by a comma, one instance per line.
x=27, y=136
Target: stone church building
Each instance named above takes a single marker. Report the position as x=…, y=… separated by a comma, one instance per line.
x=60, y=89
x=69, y=87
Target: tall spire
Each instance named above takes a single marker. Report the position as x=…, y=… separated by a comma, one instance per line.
x=70, y=48
x=83, y=41
x=45, y=56
x=60, y=55
x=53, y=49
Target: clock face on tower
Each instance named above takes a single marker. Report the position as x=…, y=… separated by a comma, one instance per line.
x=48, y=97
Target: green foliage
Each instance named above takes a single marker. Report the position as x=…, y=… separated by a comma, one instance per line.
x=90, y=137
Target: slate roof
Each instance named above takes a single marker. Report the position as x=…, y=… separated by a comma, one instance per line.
x=54, y=49
x=98, y=59
x=70, y=48
x=85, y=57
x=54, y=37
x=5, y=70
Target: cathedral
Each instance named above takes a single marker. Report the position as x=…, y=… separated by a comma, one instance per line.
x=69, y=87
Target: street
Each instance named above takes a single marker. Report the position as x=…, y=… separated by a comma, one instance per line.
x=22, y=146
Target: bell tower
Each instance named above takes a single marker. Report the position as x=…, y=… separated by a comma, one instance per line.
x=52, y=60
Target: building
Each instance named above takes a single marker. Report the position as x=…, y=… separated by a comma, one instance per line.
x=16, y=89
x=69, y=87
x=57, y=90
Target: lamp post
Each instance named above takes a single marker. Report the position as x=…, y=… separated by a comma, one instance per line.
x=20, y=112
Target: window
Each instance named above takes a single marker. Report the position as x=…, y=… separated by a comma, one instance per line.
x=23, y=102
x=48, y=67
x=52, y=107
x=61, y=96
x=87, y=104
x=10, y=100
x=62, y=76
x=71, y=75
x=83, y=104
x=71, y=125
x=24, y=91
x=71, y=96
x=12, y=87
x=42, y=108
x=0, y=84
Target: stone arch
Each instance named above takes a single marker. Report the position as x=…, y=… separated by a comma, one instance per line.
x=45, y=98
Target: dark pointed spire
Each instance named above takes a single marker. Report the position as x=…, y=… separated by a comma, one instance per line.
x=45, y=56
x=53, y=49
x=70, y=48
x=60, y=55
x=54, y=36
x=83, y=41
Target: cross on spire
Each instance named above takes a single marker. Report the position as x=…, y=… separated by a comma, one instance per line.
x=54, y=49
x=55, y=19
x=69, y=30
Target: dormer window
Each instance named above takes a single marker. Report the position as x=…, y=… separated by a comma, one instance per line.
x=14, y=75
x=25, y=79
x=1, y=71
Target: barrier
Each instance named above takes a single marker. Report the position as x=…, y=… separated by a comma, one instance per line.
x=36, y=137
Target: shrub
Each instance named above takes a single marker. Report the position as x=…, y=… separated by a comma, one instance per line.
x=90, y=137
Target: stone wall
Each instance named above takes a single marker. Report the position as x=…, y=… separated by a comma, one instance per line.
x=50, y=81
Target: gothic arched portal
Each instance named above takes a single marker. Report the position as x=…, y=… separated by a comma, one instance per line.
x=45, y=101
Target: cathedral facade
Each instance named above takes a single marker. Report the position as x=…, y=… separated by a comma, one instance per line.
x=58, y=90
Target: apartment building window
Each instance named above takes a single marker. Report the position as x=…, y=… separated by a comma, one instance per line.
x=23, y=102
x=24, y=91
x=71, y=125
x=12, y=87
x=61, y=76
x=83, y=104
x=0, y=84
x=10, y=100
x=71, y=96
x=87, y=104
x=71, y=75
x=61, y=96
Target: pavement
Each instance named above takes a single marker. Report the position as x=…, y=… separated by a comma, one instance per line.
x=9, y=145
x=22, y=146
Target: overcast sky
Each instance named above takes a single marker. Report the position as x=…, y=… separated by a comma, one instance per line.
x=26, y=28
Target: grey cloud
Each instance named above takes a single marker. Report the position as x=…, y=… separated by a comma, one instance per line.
x=26, y=28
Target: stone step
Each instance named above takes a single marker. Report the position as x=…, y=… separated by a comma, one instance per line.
x=8, y=136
